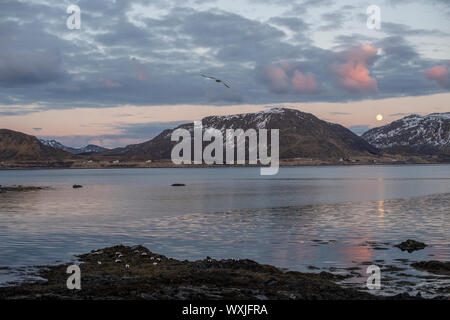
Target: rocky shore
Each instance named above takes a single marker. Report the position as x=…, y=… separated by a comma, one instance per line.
x=123, y=272
x=436, y=267
x=19, y=188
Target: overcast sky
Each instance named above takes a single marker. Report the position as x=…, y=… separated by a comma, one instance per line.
x=133, y=68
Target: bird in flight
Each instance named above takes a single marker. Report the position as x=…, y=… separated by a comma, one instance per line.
x=217, y=80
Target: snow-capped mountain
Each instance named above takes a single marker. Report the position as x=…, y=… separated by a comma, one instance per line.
x=301, y=135
x=423, y=134
x=56, y=144
x=84, y=150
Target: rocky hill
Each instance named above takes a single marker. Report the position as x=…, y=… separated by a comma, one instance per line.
x=428, y=134
x=19, y=146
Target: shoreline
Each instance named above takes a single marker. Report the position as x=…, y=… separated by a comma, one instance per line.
x=136, y=273
x=20, y=188
x=119, y=162
x=168, y=164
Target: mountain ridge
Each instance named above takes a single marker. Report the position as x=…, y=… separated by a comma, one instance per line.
x=427, y=134
x=89, y=149
x=301, y=135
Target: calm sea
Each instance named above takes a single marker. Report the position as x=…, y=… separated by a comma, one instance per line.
x=325, y=217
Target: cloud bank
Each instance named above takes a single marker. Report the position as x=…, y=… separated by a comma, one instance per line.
x=153, y=52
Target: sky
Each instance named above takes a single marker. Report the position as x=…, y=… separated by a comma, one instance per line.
x=133, y=68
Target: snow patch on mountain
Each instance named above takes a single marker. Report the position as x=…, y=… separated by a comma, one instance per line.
x=414, y=130
x=87, y=149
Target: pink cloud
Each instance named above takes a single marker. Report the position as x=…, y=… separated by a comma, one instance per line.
x=277, y=79
x=440, y=74
x=304, y=83
x=108, y=83
x=287, y=78
x=353, y=74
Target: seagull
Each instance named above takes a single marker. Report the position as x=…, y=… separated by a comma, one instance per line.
x=99, y=262
x=217, y=80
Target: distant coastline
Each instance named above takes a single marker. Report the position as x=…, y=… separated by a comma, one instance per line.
x=304, y=140
x=297, y=162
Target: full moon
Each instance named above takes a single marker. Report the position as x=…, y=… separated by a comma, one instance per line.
x=379, y=117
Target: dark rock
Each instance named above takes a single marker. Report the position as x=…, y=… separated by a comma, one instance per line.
x=19, y=188
x=271, y=282
x=392, y=269
x=433, y=266
x=313, y=268
x=178, y=185
x=405, y=296
x=411, y=245
x=352, y=268
x=77, y=186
